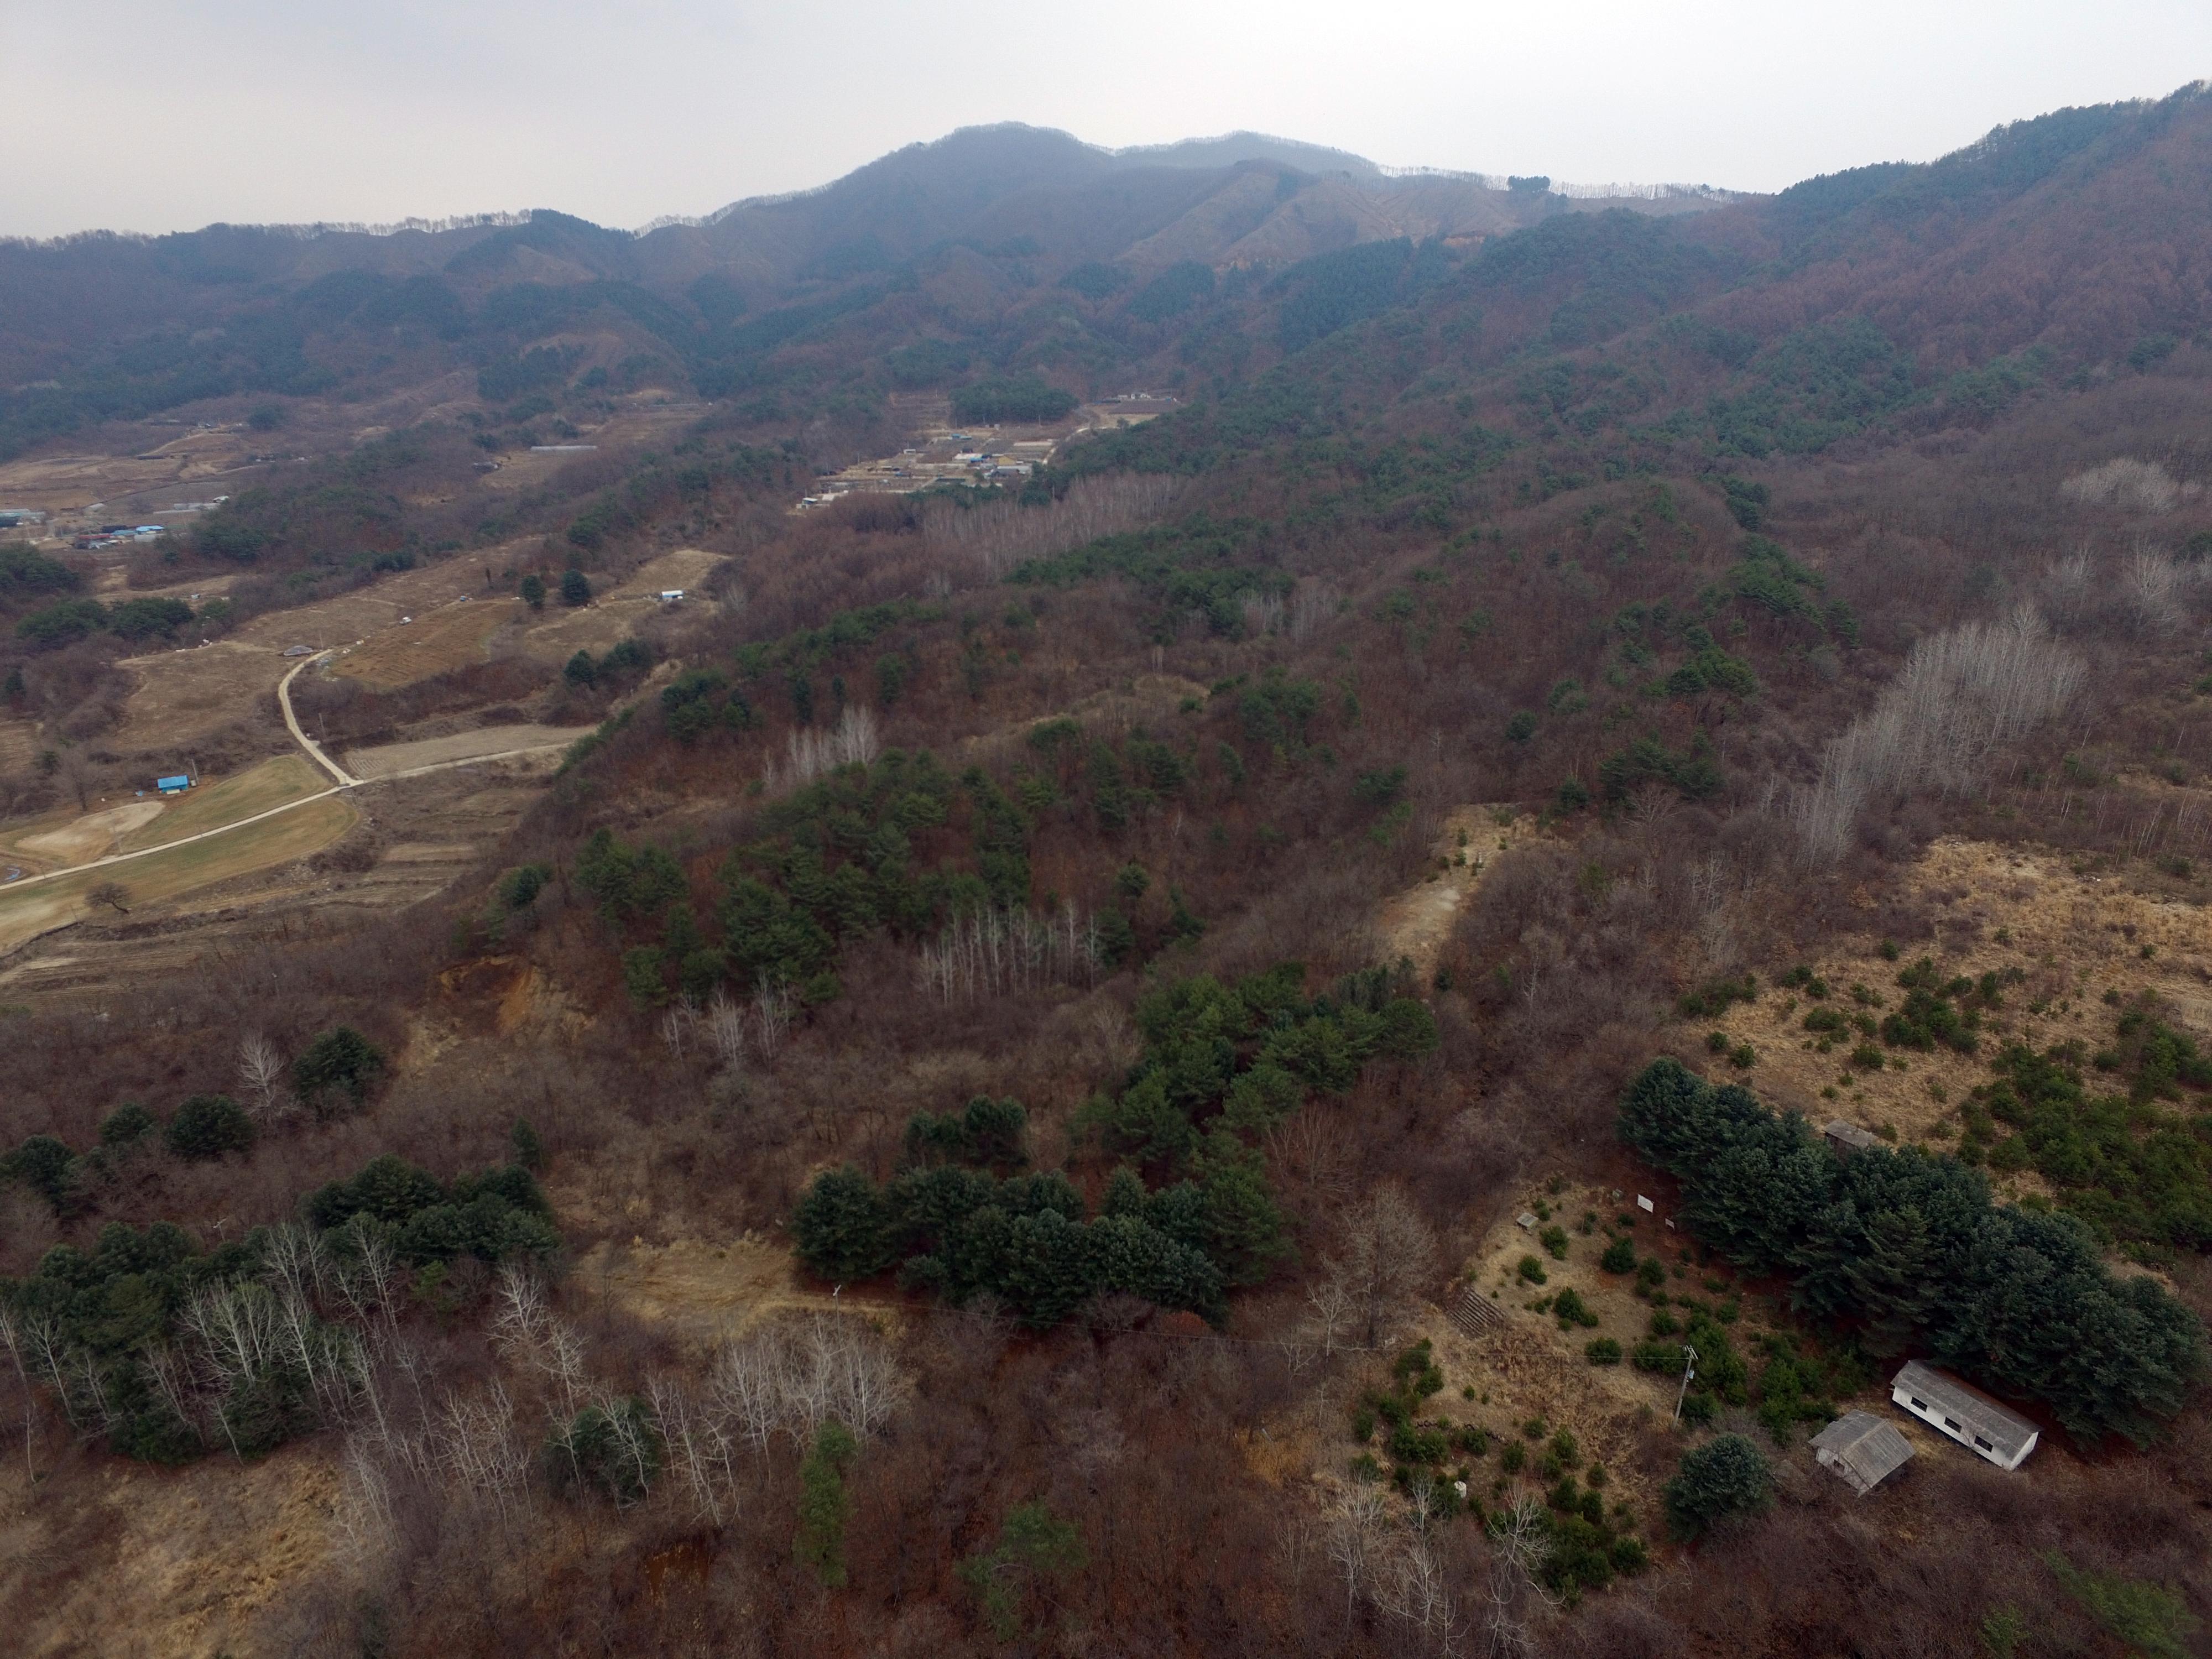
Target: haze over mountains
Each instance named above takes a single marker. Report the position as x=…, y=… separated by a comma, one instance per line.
x=803, y=973
x=989, y=210
x=2072, y=229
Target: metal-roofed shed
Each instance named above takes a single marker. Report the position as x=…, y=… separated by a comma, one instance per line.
x=1862, y=1450
x=1990, y=1431
x=1849, y=1138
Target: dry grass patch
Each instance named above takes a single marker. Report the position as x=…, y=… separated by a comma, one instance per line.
x=514, y=742
x=141, y=1563
x=705, y=1291
x=451, y=636
x=187, y=694
x=2075, y=929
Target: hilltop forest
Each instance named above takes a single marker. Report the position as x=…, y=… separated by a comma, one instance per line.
x=1069, y=1066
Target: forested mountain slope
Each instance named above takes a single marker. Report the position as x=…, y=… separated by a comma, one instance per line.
x=1069, y=1064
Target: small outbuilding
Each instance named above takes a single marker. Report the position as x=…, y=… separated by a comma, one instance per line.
x=174, y=785
x=1863, y=1450
x=1992, y=1431
x=1848, y=1138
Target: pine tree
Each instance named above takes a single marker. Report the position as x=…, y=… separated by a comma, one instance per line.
x=841, y=1226
x=1726, y=1476
x=1895, y=1279
x=825, y=1505
x=1243, y=1224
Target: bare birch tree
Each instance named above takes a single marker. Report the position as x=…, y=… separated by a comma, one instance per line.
x=261, y=1079
x=725, y=1030
x=999, y=536
x=1961, y=698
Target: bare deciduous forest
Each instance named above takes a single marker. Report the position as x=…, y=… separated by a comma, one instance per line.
x=1070, y=1066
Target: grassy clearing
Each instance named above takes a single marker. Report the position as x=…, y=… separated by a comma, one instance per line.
x=28, y=912
x=451, y=636
x=212, y=805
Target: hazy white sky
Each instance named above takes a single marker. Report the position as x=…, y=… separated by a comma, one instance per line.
x=168, y=114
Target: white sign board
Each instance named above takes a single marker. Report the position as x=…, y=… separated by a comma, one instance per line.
x=1644, y=1203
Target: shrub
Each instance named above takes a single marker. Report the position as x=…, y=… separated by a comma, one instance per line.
x=823, y=1504
x=521, y=885
x=1620, y=1256
x=1555, y=1241
x=43, y=1164
x=1569, y=1309
x=1532, y=1271
x=1715, y=996
x=1602, y=1351
x=575, y=587
x=340, y=1061
x=128, y=1125
x=1727, y=1476
x=207, y=1126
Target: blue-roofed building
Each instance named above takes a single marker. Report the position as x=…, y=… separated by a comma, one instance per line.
x=175, y=786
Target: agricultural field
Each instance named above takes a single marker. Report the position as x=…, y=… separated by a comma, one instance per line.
x=485, y=742
x=26, y=911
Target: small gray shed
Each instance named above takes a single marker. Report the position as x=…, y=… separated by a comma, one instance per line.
x=1849, y=1138
x=1990, y=1431
x=1863, y=1450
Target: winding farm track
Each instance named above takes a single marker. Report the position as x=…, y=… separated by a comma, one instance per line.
x=346, y=781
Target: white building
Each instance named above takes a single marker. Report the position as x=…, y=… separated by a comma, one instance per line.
x=1991, y=1431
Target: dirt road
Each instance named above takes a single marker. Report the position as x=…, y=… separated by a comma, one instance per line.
x=346, y=780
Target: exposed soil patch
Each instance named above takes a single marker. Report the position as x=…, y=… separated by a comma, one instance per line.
x=1415, y=924
x=94, y=835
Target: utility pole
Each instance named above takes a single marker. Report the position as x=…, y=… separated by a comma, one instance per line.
x=1689, y=1371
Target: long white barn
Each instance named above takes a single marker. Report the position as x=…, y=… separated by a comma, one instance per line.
x=1987, y=1429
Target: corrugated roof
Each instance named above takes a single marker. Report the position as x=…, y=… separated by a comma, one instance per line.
x=1852, y=1135
x=1862, y=1449
x=1975, y=1412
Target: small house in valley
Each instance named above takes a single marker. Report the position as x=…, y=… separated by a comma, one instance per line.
x=1862, y=1449
x=1988, y=1429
